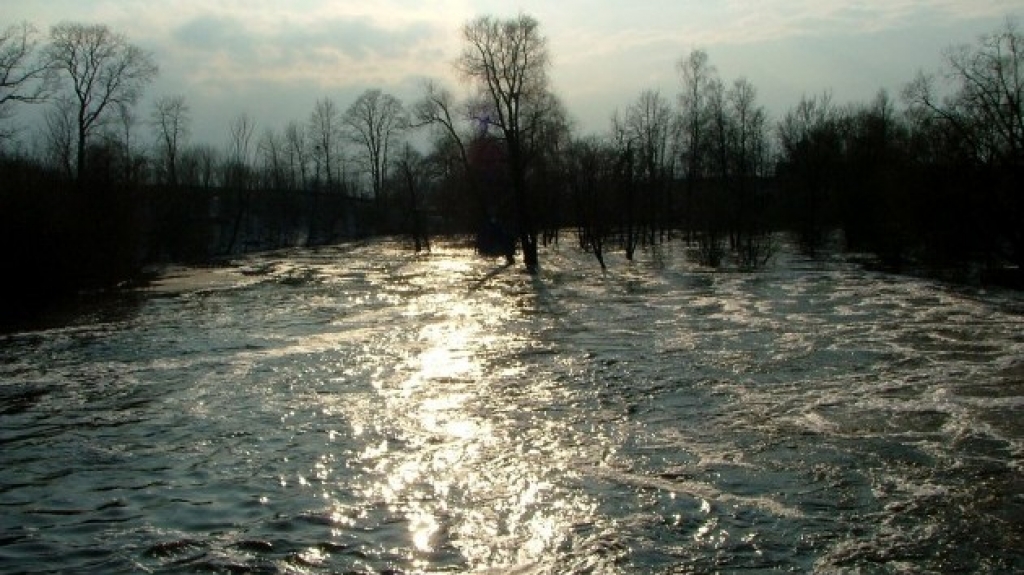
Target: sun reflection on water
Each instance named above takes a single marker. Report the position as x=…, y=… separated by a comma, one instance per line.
x=469, y=480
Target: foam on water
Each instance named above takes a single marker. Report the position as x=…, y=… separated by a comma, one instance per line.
x=362, y=409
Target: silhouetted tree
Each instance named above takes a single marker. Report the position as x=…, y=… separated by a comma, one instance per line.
x=546, y=146
x=508, y=61
x=750, y=233
x=59, y=136
x=297, y=152
x=270, y=150
x=238, y=172
x=104, y=70
x=133, y=161
x=199, y=166
x=647, y=127
x=412, y=181
x=22, y=72
x=811, y=139
x=171, y=120
x=437, y=108
x=592, y=179
x=877, y=206
x=986, y=114
x=698, y=77
x=373, y=123
x=324, y=135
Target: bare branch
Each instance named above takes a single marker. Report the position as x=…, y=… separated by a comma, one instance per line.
x=105, y=71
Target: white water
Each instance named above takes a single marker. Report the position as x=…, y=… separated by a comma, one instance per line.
x=363, y=409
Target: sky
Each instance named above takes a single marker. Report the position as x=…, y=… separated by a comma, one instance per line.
x=272, y=59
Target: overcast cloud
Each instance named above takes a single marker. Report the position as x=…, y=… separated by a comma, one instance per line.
x=273, y=59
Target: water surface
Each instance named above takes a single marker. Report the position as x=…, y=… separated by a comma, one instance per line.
x=365, y=409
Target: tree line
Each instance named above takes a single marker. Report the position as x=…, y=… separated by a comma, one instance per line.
x=931, y=175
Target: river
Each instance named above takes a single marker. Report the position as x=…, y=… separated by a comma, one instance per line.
x=361, y=409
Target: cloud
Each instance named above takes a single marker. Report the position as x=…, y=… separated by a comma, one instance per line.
x=658, y=24
x=225, y=48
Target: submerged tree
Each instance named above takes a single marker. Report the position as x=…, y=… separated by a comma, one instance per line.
x=104, y=70
x=508, y=60
x=698, y=79
x=592, y=167
x=811, y=139
x=412, y=180
x=646, y=130
x=749, y=231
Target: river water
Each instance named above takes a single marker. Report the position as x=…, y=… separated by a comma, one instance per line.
x=364, y=409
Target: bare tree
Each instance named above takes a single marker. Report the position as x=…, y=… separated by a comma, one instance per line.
x=59, y=135
x=508, y=62
x=271, y=150
x=436, y=108
x=810, y=137
x=324, y=134
x=698, y=77
x=132, y=162
x=171, y=120
x=648, y=126
x=237, y=171
x=412, y=174
x=198, y=166
x=373, y=122
x=986, y=113
x=104, y=70
x=297, y=153
x=592, y=173
x=987, y=108
x=241, y=130
x=22, y=74
x=749, y=235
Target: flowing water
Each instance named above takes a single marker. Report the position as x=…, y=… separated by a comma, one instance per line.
x=364, y=409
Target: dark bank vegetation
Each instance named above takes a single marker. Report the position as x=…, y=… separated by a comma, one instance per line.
x=105, y=186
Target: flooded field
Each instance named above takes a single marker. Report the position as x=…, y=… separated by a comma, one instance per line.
x=364, y=409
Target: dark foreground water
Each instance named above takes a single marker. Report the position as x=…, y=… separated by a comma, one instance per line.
x=364, y=409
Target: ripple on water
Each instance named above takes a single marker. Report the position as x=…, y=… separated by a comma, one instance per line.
x=365, y=409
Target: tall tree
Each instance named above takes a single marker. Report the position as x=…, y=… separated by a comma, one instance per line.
x=749, y=233
x=508, y=61
x=171, y=120
x=412, y=173
x=297, y=153
x=437, y=108
x=647, y=125
x=987, y=108
x=198, y=166
x=985, y=114
x=811, y=140
x=592, y=170
x=271, y=149
x=132, y=161
x=373, y=122
x=22, y=73
x=324, y=134
x=241, y=129
x=698, y=79
x=237, y=171
x=59, y=135
x=104, y=70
